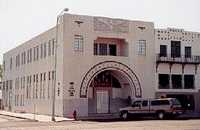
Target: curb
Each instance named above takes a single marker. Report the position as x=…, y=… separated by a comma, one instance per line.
x=18, y=117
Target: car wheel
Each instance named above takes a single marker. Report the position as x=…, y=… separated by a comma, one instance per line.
x=161, y=115
x=124, y=115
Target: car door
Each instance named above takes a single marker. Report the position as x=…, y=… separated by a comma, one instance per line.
x=136, y=108
x=145, y=107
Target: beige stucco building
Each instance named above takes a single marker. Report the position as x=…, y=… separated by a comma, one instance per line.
x=177, y=66
x=101, y=62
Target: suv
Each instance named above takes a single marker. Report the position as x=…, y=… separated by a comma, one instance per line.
x=152, y=107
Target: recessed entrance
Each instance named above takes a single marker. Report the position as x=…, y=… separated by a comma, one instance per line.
x=108, y=92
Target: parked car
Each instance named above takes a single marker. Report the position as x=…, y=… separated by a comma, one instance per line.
x=152, y=107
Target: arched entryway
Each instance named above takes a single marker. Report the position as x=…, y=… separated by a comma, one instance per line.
x=117, y=82
x=109, y=91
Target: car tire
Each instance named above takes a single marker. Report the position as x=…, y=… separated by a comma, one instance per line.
x=161, y=115
x=124, y=115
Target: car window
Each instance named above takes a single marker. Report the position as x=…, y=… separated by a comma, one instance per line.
x=175, y=102
x=159, y=102
x=136, y=104
x=144, y=103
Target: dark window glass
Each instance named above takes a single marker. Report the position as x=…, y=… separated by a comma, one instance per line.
x=188, y=52
x=136, y=104
x=102, y=49
x=188, y=81
x=176, y=81
x=112, y=50
x=159, y=102
x=163, y=50
x=175, y=49
x=144, y=103
x=163, y=81
x=95, y=49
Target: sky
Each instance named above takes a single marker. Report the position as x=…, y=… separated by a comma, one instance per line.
x=20, y=20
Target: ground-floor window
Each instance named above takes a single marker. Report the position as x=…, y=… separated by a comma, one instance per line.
x=177, y=81
x=163, y=81
x=189, y=81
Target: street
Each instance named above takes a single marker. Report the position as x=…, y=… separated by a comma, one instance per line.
x=11, y=123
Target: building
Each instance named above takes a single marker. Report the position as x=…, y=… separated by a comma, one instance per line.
x=177, y=66
x=0, y=95
x=100, y=64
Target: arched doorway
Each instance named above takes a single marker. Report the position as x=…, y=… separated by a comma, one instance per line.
x=106, y=96
x=108, y=91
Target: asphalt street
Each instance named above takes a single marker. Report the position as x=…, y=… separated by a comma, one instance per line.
x=11, y=123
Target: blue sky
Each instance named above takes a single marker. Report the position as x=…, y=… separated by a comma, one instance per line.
x=21, y=20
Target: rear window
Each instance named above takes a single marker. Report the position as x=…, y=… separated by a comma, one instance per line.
x=159, y=102
x=175, y=102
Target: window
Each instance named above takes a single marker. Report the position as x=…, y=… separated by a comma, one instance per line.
x=142, y=47
x=11, y=63
x=53, y=46
x=176, y=81
x=30, y=55
x=24, y=57
x=136, y=104
x=95, y=49
x=160, y=102
x=45, y=50
x=49, y=48
x=163, y=81
x=37, y=52
x=34, y=53
x=144, y=103
x=30, y=86
x=41, y=51
x=189, y=81
x=78, y=43
x=112, y=50
x=102, y=49
x=163, y=50
x=175, y=49
x=27, y=86
x=188, y=52
x=49, y=75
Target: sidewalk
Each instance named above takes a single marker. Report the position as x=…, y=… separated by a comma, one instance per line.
x=36, y=117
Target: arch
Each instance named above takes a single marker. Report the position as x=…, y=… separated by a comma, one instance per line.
x=110, y=65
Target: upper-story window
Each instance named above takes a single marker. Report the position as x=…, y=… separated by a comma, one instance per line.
x=18, y=60
x=37, y=52
x=49, y=48
x=163, y=50
x=142, y=47
x=45, y=50
x=78, y=42
x=175, y=49
x=41, y=51
x=188, y=52
x=103, y=49
x=53, y=46
x=11, y=63
x=4, y=66
x=34, y=53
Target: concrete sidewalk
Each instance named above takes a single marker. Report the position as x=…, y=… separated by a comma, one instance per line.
x=36, y=117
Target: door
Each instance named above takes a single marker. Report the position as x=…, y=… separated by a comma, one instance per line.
x=102, y=101
x=175, y=49
x=188, y=52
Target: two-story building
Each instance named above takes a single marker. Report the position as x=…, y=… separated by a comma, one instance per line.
x=177, y=66
x=98, y=64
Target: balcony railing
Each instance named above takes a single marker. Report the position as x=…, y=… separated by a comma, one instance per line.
x=179, y=60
